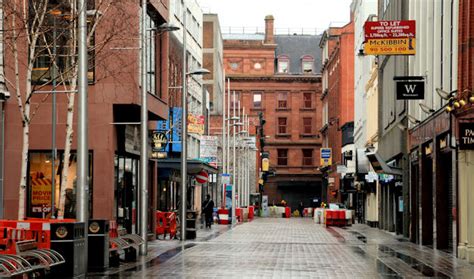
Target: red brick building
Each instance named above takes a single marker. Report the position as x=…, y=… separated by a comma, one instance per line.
x=113, y=107
x=337, y=99
x=278, y=75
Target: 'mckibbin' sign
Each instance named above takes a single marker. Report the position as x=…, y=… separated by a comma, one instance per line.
x=410, y=90
x=466, y=136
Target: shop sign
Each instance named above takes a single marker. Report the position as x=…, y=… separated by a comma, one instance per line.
x=159, y=141
x=390, y=37
x=265, y=164
x=177, y=124
x=326, y=157
x=403, y=46
x=371, y=177
x=410, y=90
x=466, y=136
x=196, y=124
x=208, y=149
x=386, y=177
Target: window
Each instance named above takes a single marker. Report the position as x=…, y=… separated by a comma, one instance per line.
x=282, y=157
x=283, y=64
x=40, y=180
x=307, y=63
x=150, y=53
x=234, y=101
x=282, y=125
x=307, y=125
x=257, y=100
x=55, y=54
x=282, y=100
x=307, y=157
x=307, y=100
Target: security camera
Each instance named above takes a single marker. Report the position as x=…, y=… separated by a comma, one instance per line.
x=5, y=95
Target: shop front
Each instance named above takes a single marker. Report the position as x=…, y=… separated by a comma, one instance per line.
x=432, y=183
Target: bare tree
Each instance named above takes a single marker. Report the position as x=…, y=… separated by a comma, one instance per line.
x=29, y=37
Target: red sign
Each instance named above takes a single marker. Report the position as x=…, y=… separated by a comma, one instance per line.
x=202, y=177
x=390, y=29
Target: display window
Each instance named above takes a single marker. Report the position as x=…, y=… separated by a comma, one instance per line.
x=40, y=184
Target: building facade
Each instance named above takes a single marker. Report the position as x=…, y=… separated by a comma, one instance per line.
x=337, y=44
x=114, y=107
x=277, y=76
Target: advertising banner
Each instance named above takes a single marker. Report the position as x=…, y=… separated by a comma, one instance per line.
x=40, y=193
x=326, y=157
x=392, y=37
x=208, y=149
x=177, y=124
x=196, y=124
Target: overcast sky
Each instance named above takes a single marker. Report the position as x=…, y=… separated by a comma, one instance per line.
x=294, y=14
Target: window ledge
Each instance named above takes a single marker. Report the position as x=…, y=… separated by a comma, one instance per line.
x=283, y=135
x=307, y=109
x=308, y=136
x=282, y=109
x=256, y=109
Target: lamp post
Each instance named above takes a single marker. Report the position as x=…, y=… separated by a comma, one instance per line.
x=184, y=128
x=143, y=194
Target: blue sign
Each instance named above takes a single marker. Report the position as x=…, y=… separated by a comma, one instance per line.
x=163, y=126
x=325, y=153
x=177, y=125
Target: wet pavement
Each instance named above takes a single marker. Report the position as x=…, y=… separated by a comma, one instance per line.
x=293, y=248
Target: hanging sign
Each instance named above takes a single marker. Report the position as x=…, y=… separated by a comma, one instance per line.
x=326, y=157
x=410, y=90
x=159, y=140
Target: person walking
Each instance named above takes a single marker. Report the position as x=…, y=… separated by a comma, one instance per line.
x=207, y=210
x=301, y=208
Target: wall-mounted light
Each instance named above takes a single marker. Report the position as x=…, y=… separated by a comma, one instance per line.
x=449, y=109
x=426, y=108
x=413, y=119
x=445, y=95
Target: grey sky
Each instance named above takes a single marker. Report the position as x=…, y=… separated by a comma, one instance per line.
x=294, y=14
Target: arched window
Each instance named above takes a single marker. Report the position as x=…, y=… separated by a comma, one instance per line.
x=283, y=64
x=307, y=64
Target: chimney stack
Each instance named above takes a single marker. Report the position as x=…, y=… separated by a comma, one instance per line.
x=269, y=38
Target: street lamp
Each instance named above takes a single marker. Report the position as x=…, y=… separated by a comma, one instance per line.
x=184, y=128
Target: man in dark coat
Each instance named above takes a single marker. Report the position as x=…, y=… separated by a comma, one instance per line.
x=207, y=210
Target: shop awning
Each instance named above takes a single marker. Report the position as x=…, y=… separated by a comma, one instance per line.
x=380, y=166
x=194, y=166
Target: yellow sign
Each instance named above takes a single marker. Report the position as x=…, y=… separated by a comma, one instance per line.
x=392, y=46
x=40, y=191
x=196, y=124
x=326, y=157
x=265, y=164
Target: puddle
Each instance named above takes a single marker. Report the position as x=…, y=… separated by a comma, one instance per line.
x=414, y=263
x=386, y=272
x=337, y=235
x=359, y=236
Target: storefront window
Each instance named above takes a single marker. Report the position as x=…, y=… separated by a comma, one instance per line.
x=126, y=170
x=40, y=184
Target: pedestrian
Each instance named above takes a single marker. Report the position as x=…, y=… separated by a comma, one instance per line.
x=301, y=208
x=207, y=210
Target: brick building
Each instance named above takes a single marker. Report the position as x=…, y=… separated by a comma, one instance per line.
x=337, y=44
x=278, y=76
x=114, y=105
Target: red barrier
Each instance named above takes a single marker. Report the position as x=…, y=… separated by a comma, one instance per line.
x=239, y=214
x=287, y=212
x=251, y=212
x=161, y=224
x=223, y=214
